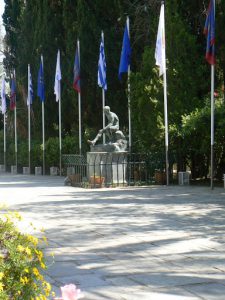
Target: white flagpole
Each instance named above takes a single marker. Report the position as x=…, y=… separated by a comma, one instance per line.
x=29, y=131
x=57, y=92
x=4, y=120
x=212, y=116
x=4, y=142
x=160, y=56
x=60, y=133
x=103, y=100
x=128, y=89
x=79, y=103
x=60, y=128
x=15, y=125
x=212, y=124
x=43, y=122
x=165, y=102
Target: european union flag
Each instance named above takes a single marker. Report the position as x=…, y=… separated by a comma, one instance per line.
x=209, y=30
x=125, y=53
x=41, y=88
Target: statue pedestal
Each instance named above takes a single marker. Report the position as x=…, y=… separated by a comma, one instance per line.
x=112, y=166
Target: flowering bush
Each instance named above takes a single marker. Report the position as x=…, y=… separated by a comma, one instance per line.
x=21, y=263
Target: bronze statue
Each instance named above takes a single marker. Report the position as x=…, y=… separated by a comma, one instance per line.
x=117, y=140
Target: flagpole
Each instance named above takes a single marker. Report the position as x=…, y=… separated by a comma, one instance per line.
x=79, y=103
x=4, y=142
x=15, y=125
x=128, y=89
x=29, y=134
x=60, y=128
x=43, y=123
x=212, y=124
x=212, y=114
x=103, y=100
x=166, y=128
x=165, y=102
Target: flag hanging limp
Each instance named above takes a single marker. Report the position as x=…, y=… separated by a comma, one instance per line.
x=3, y=96
x=58, y=77
x=209, y=31
x=30, y=91
x=76, y=72
x=160, y=50
x=102, y=66
x=13, y=93
x=41, y=88
x=125, y=53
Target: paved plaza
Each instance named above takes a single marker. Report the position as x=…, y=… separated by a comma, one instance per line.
x=145, y=243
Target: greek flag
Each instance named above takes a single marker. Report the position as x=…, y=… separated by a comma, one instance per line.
x=30, y=91
x=102, y=66
x=58, y=77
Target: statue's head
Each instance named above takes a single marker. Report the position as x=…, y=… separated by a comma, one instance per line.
x=106, y=109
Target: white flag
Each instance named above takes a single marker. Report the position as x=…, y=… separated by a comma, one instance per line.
x=160, y=50
x=3, y=96
x=58, y=77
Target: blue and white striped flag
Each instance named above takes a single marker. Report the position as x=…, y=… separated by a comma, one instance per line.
x=3, y=96
x=58, y=77
x=102, y=66
x=30, y=92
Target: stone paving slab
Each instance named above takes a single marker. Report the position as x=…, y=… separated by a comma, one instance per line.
x=154, y=242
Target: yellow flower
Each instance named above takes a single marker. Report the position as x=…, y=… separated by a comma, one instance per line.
x=26, y=270
x=24, y=280
x=1, y=275
x=20, y=248
x=17, y=215
x=53, y=294
x=28, y=251
x=33, y=240
x=35, y=271
x=1, y=287
x=40, y=297
x=43, y=266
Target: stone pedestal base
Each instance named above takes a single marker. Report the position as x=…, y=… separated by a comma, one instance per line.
x=53, y=171
x=26, y=171
x=13, y=169
x=2, y=168
x=111, y=166
x=38, y=170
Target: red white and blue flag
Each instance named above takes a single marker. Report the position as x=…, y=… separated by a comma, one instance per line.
x=76, y=72
x=209, y=31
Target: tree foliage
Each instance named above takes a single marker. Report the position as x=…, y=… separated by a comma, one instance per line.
x=41, y=27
